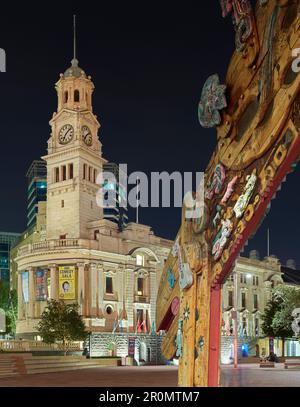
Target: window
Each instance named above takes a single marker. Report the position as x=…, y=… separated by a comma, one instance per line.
x=255, y=280
x=243, y=278
x=244, y=324
x=109, y=285
x=231, y=278
x=140, y=286
x=90, y=174
x=71, y=171
x=140, y=315
x=95, y=176
x=62, y=203
x=109, y=310
x=66, y=97
x=256, y=327
x=56, y=174
x=96, y=234
x=64, y=172
x=255, y=301
x=63, y=237
x=139, y=260
x=243, y=300
x=84, y=171
x=76, y=96
x=230, y=298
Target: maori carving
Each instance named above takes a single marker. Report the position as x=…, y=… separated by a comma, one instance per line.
x=212, y=101
x=171, y=278
x=185, y=274
x=242, y=19
x=230, y=189
x=179, y=339
x=221, y=238
x=242, y=202
x=258, y=142
x=217, y=182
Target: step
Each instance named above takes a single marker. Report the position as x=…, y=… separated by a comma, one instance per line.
x=9, y=374
x=50, y=361
x=54, y=365
x=62, y=369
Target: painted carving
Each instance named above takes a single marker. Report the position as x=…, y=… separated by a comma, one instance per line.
x=242, y=17
x=185, y=275
x=171, y=278
x=230, y=189
x=242, y=202
x=217, y=182
x=221, y=239
x=179, y=339
x=217, y=217
x=212, y=101
x=186, y=313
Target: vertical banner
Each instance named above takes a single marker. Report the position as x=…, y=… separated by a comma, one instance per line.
x=131, y=346
x=41, y=285
x=48, y=286
x=25, y=286
x=67, y=283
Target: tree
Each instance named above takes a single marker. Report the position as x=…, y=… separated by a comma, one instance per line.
x=61, y=322
x=277, y=317
x=9, y=303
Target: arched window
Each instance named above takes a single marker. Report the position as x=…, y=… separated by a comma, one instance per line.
x=76, y=95
x=66, y=95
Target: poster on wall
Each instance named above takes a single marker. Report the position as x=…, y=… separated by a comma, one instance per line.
x=67, y=283
x=131, y=346
x=48, y=286
x=25, y=286
x=41, y=285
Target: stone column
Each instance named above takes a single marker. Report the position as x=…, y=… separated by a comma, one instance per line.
x=20, y=296
x=93, y=285
x=80, y=285
x=101, y=283
x=53, y=281
x=31, y=312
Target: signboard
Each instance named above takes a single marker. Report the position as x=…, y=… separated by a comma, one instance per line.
x=67, y=283
x=2, y=320
x=41, y=285
x=131, y=346
x=25, y=286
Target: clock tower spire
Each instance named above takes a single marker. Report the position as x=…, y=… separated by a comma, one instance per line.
x=74, y=156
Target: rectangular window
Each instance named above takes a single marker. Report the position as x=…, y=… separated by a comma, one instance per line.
x=62, y=203
x=71, y=171
x=256, y=327
x=64, y=172
x=56, y=174
x=109, y=285
x=255, y=280
x=243, y=300
x=255, y=301
x=231, y=278
x=230, y=298
x=243, y=278
x=140, y=286
x=140, y=315
x=90, y=174
x=95, y=176
x=84, y=171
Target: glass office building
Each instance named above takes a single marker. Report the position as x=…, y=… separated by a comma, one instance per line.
x=7, y=241
x=36, y=190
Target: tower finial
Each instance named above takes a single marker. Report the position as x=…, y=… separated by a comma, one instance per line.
x=74, y=36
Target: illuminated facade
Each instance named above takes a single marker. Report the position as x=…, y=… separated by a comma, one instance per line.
x=80, y=256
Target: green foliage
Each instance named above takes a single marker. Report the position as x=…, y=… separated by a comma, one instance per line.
x=277, y=317
x=61, y=322
x=9, y=303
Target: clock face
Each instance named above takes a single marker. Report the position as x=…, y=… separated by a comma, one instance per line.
x=87, y=135
x=66, y=134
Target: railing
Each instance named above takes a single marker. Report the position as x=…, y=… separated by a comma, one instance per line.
x=30, y=346
x=52, y=245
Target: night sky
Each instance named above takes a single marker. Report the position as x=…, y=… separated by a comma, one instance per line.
x=148, y=63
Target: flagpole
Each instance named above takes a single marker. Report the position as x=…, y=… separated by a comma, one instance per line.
x=137, y=200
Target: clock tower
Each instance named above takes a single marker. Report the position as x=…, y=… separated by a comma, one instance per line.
x=74, y=158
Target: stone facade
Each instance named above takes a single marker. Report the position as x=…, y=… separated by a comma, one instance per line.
x=112, y=275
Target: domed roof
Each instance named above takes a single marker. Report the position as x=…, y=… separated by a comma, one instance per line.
x=74, y=70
